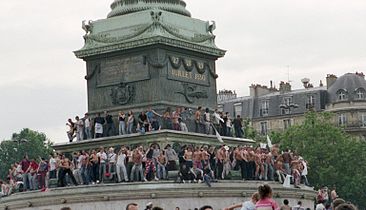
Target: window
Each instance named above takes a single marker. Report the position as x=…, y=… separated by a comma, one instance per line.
x=287, y=101
x=310, y=102
x=360, y=93
x=264, y=128
x=341, y=95
x=264, y=108
x=342, y=120
x=287, y=123
x=238, y=109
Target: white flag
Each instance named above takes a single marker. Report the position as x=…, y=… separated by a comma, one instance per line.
x=269, y=142
x=218, y=136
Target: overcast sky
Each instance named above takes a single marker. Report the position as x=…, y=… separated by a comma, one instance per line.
x=41, y=81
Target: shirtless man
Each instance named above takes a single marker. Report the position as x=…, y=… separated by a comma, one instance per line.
x=197, y=158
x=280, y=171
x=238, y=156
x=137, y=164
x=66, y=166
x=197, y=120
x=258, y=164
x=252, y=165
x=286, y=161
x=188, y=157
x=220, y=157
x=162, y=162
x=268, y=167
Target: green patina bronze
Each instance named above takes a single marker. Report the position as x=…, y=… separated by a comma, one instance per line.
x=149, y=53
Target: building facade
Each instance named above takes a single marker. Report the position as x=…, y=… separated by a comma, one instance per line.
x=272, y=109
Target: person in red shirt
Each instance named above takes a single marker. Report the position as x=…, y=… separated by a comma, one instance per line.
x=32, y=174
x=25, y=165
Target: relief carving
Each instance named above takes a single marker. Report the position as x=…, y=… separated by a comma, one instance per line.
x=190, y=93
x=122, y=94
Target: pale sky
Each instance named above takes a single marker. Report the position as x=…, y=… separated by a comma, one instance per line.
x=42, y=82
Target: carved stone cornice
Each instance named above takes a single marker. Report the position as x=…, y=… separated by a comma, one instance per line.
x=162, y=136
x=147, y=42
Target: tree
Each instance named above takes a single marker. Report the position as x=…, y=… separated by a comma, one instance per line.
x=29, y=142
x=334, y=157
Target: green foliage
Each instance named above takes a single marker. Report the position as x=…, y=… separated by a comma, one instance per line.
x=29, y=142
x=334, y=157
x=249, y=131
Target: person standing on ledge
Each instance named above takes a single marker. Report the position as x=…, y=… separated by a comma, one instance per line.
x=109, y=128
x=238, y=127
x=197, y=120
x=98, y=125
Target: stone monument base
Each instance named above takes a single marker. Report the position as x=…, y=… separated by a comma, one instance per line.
x=167, y=195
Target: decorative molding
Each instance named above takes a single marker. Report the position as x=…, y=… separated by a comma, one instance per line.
x=122, y=94
x=83, y=53
x=190, y=93
x=188, y=64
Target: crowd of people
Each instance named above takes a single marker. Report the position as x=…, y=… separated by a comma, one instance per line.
x=182, y=163
x=181, y=119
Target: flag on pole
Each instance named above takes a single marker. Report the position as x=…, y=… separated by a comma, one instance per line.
x=218, y=136
x=269, y=142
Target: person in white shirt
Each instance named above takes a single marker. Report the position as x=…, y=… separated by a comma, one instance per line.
x=53, y=167
x=304, y=171
x=79, y=129
x=247, y=205
x=121, y=165
x=320, y=206
x=112, y=158
x=87, y=126
x=102, y=163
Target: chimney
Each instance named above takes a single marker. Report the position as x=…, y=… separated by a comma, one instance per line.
x=331, y=78
x=285, y=87
x=260, y=90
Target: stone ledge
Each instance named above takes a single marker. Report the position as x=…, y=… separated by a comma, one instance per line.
x=146, y=191
x=162, y=136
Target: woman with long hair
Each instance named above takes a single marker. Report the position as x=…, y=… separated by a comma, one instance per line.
x=265, y=199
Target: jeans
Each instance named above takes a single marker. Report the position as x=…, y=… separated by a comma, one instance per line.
x=238, y=132
x=208, y=128
x=109, y=130
x=84, y=175
x=129, y=128
x=32, y=181
x=26, y=181
x=287, y=168
x=102, y=170
x=80, y=135
x=88, y=132
x=122, y=128
x=121, y=172
x=137, y=167
x=162, y=172
x=197, y=126
x=42, y=179
x=52, y=174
